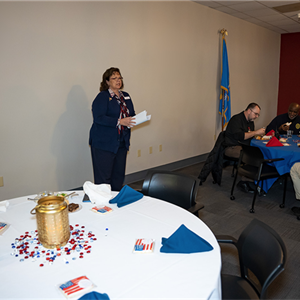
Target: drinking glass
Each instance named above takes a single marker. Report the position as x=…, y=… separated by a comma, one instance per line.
x=289, y=133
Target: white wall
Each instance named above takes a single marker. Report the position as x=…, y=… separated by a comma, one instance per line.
x=54, y=54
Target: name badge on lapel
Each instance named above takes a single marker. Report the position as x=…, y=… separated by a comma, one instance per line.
x=127, y=98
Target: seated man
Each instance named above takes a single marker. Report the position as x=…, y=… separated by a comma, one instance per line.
x=287, y=121
x=241, y=129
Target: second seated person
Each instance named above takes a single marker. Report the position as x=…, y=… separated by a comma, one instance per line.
x=287, y=121
x=241, y=129
x=113, y=113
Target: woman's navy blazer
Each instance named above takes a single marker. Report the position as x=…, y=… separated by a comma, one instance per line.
x=104, y=133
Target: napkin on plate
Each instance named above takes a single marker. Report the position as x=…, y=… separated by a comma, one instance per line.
x=273, y=142
x=184, y=240
x=3, y=205
x=271, y=132
x=94, y=296
x=126, y=196
x=98, y=193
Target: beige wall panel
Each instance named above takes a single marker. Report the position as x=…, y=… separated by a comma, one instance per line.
x=54, y=54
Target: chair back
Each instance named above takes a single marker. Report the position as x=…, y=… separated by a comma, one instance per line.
x=178, y=189
x=251, y=155
x=263, y=252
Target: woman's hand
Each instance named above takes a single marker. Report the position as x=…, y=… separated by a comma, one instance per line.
x=129, y=122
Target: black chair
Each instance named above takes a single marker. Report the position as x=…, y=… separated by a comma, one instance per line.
x=234, y=160
x=178, y=189
x=253, y=165
x=262, y=252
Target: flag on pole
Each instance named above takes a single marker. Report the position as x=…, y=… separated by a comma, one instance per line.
x=225, y=107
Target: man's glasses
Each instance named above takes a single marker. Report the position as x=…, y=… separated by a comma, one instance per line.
x=256, y=114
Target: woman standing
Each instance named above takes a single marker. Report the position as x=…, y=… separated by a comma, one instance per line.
x=110, y=133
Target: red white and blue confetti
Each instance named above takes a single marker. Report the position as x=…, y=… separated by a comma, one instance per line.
x=28, y=247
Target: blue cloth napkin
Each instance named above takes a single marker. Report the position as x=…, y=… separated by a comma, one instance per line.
x=184, y=240
x=94, y=296
x=126, y=196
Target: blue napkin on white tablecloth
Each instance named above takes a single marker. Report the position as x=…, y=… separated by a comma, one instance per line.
x=184, y=240
x=126, y=196
x=94, y=296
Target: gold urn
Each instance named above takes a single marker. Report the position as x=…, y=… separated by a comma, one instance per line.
x=52, y=221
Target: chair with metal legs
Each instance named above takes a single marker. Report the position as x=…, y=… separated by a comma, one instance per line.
x=253, y=165
x=262, y=256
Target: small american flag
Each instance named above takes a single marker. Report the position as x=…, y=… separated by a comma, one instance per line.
x=76, y=285
x=102, y=209
x=2, y=226
x=144, y=245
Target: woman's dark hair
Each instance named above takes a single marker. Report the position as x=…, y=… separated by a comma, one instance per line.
x=106, y=76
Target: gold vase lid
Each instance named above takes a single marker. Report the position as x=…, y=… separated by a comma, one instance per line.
x=51, y=204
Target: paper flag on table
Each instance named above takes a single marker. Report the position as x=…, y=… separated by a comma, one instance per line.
x=184, y=240
x=76, y=286
x=102, y=209
x=3, y=227
x=144, y=246
x=273, y=142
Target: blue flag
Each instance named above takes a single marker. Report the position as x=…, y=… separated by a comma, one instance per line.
x=225, y=107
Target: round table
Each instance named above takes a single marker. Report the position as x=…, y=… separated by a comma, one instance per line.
x=291, y=155
x=112, y=265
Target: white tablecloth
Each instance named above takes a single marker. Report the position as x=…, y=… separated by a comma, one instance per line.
x=112, y=266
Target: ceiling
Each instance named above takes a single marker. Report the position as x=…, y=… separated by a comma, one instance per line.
x=279, y=16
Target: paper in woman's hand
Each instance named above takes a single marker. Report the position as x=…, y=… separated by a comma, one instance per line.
x=141, y=118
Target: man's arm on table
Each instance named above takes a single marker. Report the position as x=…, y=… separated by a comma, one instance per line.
x=251, y=134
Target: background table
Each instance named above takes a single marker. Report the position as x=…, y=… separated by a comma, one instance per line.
x=112, y=265
x=291, y=154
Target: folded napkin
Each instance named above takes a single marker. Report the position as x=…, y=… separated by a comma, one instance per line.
x=98, y=193
x=184, y=240
x=271, y=132
x=94, y=296
x=126, y=196
x=3, y=205
x=273, y=142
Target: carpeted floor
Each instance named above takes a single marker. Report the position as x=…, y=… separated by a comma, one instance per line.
x=224, y=216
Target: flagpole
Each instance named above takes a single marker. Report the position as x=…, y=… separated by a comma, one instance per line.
x=223, y=32
x=222, y=110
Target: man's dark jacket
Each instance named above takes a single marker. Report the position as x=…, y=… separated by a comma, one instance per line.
x=214, y=161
